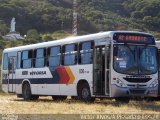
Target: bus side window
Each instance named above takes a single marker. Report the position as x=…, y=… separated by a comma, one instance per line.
x=26, y=61
x=47, y=55
x=18, y=60
x=40, y=55
x=86, y=52
x=5, y=61
x=69, y=54
x=54, y=56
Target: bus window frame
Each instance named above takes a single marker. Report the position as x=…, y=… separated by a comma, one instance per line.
x=7, y=62
x=49, y=55
x=75, y=52
x=27, y=59
x=88, y=51
x=35, y=57
x=18, y=61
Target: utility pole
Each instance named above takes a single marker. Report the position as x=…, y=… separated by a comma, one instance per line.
x=75, y=14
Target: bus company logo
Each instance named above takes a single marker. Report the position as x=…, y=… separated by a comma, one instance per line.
x=38, y=73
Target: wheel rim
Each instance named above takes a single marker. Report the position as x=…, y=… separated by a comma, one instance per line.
x=85, y=93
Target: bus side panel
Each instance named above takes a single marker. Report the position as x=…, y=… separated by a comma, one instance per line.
x=68, y=89
x=48, y=89
x=63, y=81
x=5, y=88
x=46, y=84
x=21, y=76
x=74, y=74
x=5, y=80
x=40, y=79
x=18, y=88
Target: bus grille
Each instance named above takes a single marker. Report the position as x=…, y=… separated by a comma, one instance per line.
x=137, y=80
x=137, y=91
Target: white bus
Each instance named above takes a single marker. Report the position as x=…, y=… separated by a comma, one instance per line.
x=113, y=64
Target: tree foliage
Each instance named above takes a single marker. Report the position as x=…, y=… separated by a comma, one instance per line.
x=48, y=16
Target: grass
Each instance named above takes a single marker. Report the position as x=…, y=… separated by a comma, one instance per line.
x=10, y=104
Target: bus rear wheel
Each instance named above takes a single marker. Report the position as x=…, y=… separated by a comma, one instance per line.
x=59, y=98
x=84, y=93
x=26, y=92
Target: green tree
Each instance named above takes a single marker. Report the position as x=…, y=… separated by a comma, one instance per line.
x=33, y=36
x=47, y=37
x=3, y=28
x=137, y=15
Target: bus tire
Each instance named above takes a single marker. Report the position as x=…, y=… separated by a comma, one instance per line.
x=122, y=99
x=59, y=98
x=84, y=93
x=26, y=92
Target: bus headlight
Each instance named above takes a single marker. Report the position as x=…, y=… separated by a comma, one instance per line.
x=153, y=84
x=119, y=83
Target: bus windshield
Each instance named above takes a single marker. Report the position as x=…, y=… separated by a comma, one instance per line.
x=134, y=59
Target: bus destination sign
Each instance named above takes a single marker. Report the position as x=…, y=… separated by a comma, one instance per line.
x=134, y=38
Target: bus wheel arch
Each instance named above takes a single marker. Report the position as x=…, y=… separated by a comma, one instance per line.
x=84, y=92
x=26, y=90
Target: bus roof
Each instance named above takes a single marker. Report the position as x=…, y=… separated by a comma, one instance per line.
x=70, y=40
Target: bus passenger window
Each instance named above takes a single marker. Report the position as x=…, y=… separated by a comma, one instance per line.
x=5, y=61
x=18, y=60
x=54, y=56
x=26, y=59
x=40, y=58
x=70, y=54
x=86, y=53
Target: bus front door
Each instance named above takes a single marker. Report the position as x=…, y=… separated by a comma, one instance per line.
x=107, y=70
x=99, y=71
x=11, y=74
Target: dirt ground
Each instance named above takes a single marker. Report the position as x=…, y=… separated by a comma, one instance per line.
x=10, y=104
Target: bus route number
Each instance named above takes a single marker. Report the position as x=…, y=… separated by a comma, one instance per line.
x=82, y=71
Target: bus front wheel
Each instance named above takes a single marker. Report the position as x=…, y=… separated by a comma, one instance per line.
x=84, y=93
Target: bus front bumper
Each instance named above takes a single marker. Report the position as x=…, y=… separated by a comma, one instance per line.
x=133, y=92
